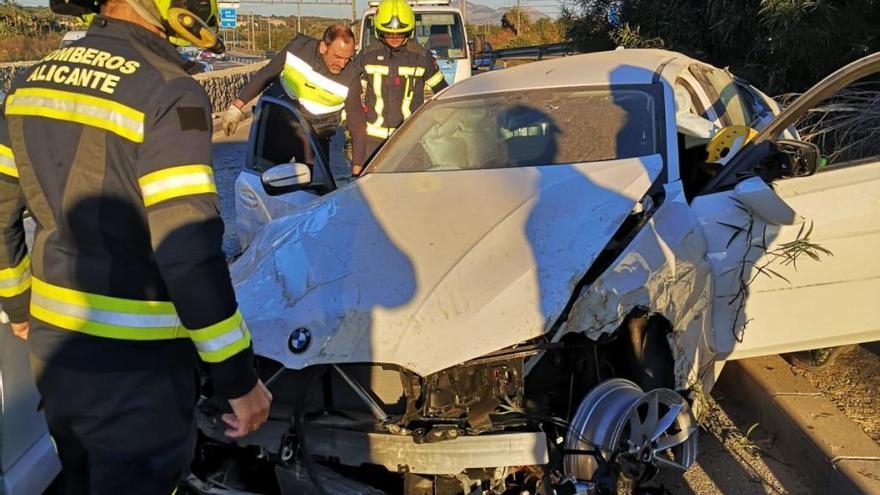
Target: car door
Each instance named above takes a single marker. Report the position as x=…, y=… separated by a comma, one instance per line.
x=28, y=462
x=279, y=134
x=763, y=304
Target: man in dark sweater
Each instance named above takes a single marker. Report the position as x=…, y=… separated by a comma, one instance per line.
x=313, y=73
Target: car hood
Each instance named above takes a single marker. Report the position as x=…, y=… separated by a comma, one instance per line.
x=427, y=270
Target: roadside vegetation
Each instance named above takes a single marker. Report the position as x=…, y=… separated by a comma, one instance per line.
x=516, y=29
x=780, y=46
x=29, y=33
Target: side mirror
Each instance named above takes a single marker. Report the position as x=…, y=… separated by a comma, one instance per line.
x=765, y=203
x=789, y=158
x=286, y=177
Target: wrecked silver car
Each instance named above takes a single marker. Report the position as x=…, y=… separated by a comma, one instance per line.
x=539, y=276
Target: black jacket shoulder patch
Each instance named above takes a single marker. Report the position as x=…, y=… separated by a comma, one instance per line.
x=192, y=119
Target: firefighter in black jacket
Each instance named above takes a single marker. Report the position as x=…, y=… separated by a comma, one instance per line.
x=107, y=143
x=312, y=73
x=394, y=74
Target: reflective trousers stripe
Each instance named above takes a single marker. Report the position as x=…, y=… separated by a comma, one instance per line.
x=435, y=79
x=377, y=131
x=174, y=182
x=130, y=319
x=222, y=340
x=377, y=71
x=406, y=107
x=7, y=162
x=15, y=280
x=104, y=316
x=82, y=109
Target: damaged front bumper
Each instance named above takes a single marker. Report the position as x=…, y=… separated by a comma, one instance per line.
x=400, y=453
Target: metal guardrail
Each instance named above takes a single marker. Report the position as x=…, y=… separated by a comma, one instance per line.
x=246, y=58
x=487, y=59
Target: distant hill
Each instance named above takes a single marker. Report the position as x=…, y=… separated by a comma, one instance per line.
x=483, y=14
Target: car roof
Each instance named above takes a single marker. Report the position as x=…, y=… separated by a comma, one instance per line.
x=624, y=66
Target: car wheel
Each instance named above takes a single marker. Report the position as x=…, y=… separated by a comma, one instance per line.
x=816, y=359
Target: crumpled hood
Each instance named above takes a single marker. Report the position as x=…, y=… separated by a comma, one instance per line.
x=427, y=270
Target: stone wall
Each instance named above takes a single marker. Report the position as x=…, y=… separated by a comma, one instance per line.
x=222, y=86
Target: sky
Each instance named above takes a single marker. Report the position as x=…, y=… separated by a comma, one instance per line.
x=344, y=11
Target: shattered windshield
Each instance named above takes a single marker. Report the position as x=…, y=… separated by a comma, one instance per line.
x=524, y=129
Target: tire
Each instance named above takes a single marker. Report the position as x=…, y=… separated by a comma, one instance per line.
x=816, y=359
x=658, y=366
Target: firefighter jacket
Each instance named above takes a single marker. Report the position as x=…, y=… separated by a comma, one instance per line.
x=301, y=72
x=393, y=82
x=107, y=145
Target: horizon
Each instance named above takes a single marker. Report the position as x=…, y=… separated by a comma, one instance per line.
x=343, y=11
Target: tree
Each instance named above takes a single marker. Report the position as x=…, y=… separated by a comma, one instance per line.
x=779, y=45
x=516, y=21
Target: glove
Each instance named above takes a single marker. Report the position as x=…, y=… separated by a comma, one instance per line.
x=231, y=118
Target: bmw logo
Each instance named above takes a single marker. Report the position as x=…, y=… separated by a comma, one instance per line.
x=299, y=340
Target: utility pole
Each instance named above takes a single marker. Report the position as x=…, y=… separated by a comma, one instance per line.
x=269, y=22
x=298, y=17
x=354, y=15
x=464, y=13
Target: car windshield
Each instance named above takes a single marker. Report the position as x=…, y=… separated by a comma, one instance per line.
x=524, y=129
x=440, y=32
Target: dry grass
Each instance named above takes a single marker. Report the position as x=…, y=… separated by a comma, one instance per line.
x=20, y=47
x=847, y=126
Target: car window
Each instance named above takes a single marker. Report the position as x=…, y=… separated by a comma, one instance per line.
x=280, y=139
x=440, y=32
x=757, y=108
x=726, y=101
x=525, y=128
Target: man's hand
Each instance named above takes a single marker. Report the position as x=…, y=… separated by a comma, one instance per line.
x=20, y=330
x=231, y=118
x=356, y=170
x=248, y=411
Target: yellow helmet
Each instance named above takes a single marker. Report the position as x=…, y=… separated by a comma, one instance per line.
x=191, y=22
x=185, y=21
x=394, y=16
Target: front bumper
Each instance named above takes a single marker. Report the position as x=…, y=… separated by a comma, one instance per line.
x=399, y=453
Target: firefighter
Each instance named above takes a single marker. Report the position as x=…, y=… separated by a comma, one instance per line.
x=107, y=143
x=310, y=72
x=393, y=76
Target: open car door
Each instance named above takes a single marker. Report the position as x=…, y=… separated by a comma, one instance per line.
x=794, y=253
x=279, y=136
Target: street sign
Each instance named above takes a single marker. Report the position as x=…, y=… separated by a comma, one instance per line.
x=228, y=17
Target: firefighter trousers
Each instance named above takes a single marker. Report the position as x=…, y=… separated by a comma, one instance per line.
x=120, y=432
